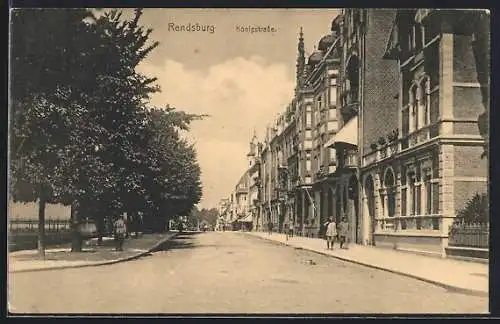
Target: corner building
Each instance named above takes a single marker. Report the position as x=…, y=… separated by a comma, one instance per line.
x=417, y=174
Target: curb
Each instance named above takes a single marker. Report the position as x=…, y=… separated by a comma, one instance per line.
x=100, y=263
x=467, y=291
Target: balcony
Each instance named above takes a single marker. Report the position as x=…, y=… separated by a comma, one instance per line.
x=350, y=104
x=241, y=190
x=350, y=159
x=420, y=136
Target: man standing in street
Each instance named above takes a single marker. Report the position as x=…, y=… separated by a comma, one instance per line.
x=120, y=230
x=343, y=231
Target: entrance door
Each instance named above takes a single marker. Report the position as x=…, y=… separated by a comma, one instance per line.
x=370, y=201
x=353, y=196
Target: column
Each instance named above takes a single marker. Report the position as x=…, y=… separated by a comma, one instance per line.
x=446, y=192
x=302, y=197
x=446, y=83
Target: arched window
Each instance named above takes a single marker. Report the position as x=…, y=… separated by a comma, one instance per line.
x=414, y=96
x=352, y=82
x=389, y=184
x=370, y=196
x=425, y=93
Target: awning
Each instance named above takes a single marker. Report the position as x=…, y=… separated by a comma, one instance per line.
x=347, y=134
x=247, y=218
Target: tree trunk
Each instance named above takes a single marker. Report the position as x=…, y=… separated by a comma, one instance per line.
x=76, y=237
x=167, y=225
x=41, y=227
x=100, y=228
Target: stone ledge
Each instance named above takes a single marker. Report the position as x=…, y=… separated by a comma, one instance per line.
x=467, y=253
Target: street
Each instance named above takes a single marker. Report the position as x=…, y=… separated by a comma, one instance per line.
x=227, y=272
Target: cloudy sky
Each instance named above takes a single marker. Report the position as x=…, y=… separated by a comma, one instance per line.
x=241, y=79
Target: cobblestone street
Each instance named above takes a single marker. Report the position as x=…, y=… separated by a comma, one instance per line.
x=227, y=272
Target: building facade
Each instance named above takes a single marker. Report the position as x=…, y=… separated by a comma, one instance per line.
x=382, y=129
x=427, y=175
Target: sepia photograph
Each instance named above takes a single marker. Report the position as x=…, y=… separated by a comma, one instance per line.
x=218, y=162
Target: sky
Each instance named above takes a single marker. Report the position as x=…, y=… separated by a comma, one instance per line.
x=242, y=80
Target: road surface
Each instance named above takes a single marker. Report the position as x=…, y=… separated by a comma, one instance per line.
x=227, y=272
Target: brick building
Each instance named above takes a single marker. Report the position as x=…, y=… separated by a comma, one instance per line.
x=416, y=180
x=383, y=129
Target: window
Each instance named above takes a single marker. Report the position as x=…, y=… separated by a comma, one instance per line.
x=308, y=119
x=403, y=201
x=389, y=184
x=333, y=95
x=406, y=122
x=413, y=194
x=425, y=100
x=428, y=194
x=419, y=40
x=333, y=113
x=422, y=31
x=414, y=107
x=411, y=39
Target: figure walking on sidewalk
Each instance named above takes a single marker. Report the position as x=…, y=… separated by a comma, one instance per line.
x=270, y=227
x=287, y=230
x=120, y=230
x=343, y=231
x=331, y=233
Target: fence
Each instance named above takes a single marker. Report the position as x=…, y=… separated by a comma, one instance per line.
x=475, y=235
x=23, y=233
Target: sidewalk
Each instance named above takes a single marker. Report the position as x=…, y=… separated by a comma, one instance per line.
x=462, y=276
x=61, y=257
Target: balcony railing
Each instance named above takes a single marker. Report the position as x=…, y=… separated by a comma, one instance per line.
x=419, y=136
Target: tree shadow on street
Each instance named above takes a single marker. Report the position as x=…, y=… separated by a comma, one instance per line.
x=177, y=243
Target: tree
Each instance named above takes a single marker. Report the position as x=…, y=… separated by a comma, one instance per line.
x=172, y=179
x=207, y=216
x=83, y=131
x=46, y=64
x=476, y=210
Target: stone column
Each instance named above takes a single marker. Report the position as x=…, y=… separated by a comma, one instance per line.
x=446, y=192
x=446, y=83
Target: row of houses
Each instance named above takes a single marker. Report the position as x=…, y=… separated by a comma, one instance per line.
x=382, y=130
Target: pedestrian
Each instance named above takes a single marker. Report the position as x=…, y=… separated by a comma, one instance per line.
x=287, y=231
x=343, y=232
x=291, y=228
x=331, y=233
x=270, y=227
x=120, y=231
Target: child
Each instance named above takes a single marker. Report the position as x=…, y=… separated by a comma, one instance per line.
x=331, y=232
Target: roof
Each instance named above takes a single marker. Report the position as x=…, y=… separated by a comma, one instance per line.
x=315, y=57
x=325, y=42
